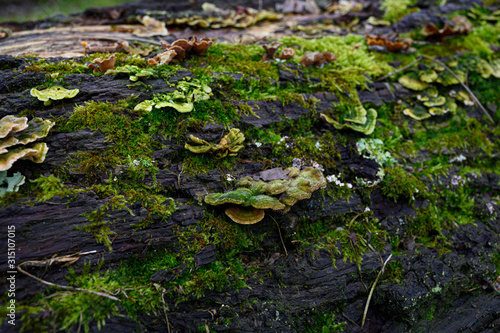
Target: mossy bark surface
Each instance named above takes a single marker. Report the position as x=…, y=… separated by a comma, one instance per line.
x=118, y=208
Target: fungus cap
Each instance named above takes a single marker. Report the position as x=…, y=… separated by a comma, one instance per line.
x=270, y=50
x=238, y=197
x=11, y=124
x=413, y=82
x=200, y=47
x=36, y=154
x=263, y=201
x=287, y=53
x=104, y=65
x=245, y=215
x=53, y=93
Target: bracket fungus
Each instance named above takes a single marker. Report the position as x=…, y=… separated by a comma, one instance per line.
x=317, y=58
x=460, y=26
x=287, y=53
x=146, y=106
x=179, y=49
x=387, y=45
x=103, y=65
x=429, y=102
x=270, y=50
x=18, y=131
x=253, y=197
x=229, y=145
x=359, y=119
x=188, y=92
x=53, y=93
x=217, y=18
x=151, y=27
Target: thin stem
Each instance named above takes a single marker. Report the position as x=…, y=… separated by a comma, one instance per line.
x=373, y=288
x=282, y=242
x=400, y=69
x=64, y=287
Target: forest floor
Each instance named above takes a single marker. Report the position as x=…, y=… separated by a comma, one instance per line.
x=352, y=186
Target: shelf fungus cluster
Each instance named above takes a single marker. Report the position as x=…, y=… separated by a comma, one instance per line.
x=179, y=49
x=103, y=65
x=188, y=92
x=317, y=59
x=229, y=145
x=15, y=133
x=272, y=48
x=431, y=103
x=434, y=98
x=252, y=197
x=357, y=118
x=460, y=25
x=53, y=93
x=383, y=44
x=216, y=18
x=150, y=27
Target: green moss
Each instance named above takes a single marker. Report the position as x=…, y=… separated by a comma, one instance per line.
x=61, y=67
x=394, y=10
x=317, y=321
x=72, y=310
x=308, y=148
x=496, y=261
x=394, y=272
x=50, y=186
x=262, y=135
x=99, y=225
x=230, y=58
x=121, y=59
x=399, y=184
x=354, y=61
x=348, y=231
x=200, y=163
x=448, y=208
x=175, y=124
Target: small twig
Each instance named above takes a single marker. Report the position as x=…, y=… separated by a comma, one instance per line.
x=349, y=319
x=463, y=85
x=400, y=69
x=179, y=177
x=373, y=288
x=165, y=310
x=279, y=231
x=80, y=323
x=61, y=286
x=354, y=219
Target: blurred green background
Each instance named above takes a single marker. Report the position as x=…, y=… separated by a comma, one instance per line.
x=29, y=10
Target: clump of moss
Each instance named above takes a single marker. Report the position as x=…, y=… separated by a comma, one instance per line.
x=353, y=63
x=51, y=186
x=121, y=58
x=71, y=310
x=115, y=121
x=394, y=10
x=398, y=183
x=176, y=124
x=322, y=322
x=61, y=67
x=230, y=58
x=349, y=231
